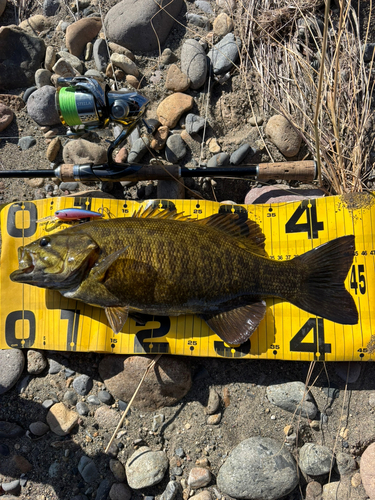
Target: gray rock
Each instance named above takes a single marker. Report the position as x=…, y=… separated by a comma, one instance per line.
x=103, y=491
x=105, y=397
x=293, y=396
x=26, y=142
x=204, y=5
x=9, y=430
x=368, y=52
x=176, y=471
x=28, y=93
x=54, y=470
x=224, y=54
x=48, y=403
x=315, y=459
x=127, y=19
x=54, y=366
x=69, y=372
x=73, y=60
x=50, y=7
x=157, y=422
x=95, y=73
x=36, y=362
x=117, y=470
x=82, y=408
x=219, y=160
x=100, y=53
x=348, y=372
x=12, y=362
x=194, y=123
x=175, y=148
x=68, y=186
x=119, y=491
x=260, y=468
x=21, y=54
x=170, y=491
x=199, y=21
x=139, y=149
x=82, y=384
x=41, y=106
x=146, y=467
x=39, y=428
x=170, y=189
x=80, y=152
x=88, y=470
x=345, y=463
x=42, y=77
x=240, y=154
x=194, y=63
x=13, y=487
x=93, y=400
x=70, y=397
x=180, y=452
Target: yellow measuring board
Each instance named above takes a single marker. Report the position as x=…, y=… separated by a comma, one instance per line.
x=43, y=319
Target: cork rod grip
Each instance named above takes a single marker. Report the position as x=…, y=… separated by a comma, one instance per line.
x=304, y=171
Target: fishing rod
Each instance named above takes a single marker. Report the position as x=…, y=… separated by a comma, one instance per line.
x=83, y=105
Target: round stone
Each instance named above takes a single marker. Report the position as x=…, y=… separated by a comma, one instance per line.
x=146, y=468
x=12, y=362
x=315, y=459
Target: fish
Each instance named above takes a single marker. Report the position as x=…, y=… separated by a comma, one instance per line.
x=169, y=264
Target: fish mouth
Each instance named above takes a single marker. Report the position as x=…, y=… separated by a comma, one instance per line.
x=26, y=265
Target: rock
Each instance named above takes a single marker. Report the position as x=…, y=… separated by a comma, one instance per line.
x=315, y=460
x=160, y=138
x=21, y=55
x=53, y=149
x=336, y=490
x=199, y=477
x=127, y=65
x=12, y=362
x=128, y=18
x=122, y=155
x=170, y=189
x=260, y=468
x=228, y=5
x=42, y=77
x=82, y=384
x=176, y=80
x=314, y=491
x=8, y=430
x=6, y=117
x=70, y=397
x=93, y=400
x=26, y=142
x=256, y=120
x=103, y=491
x=368, y=52
x=35, y=24
x=64, y=68
x=222, y=25
x=199, y=21
x=21, y=464
x=348, y=372
x=292, y=397
x=36, y=362
x=139, y=149
x=41, y=106
x=168, y=57
x=115, y=47
x=73, y=60
x=133, y=81
x=204, y=5
x=157, y=422
x=82, y=408
x=356, y=480
x=194, y=123
x=106, y=417
x=28, y=93
x=170, y=491
x=224, y=54
x=80, y=152
x=61, y=420
x=119, y=491
x=219, y=160
x=367, y=470
x=345, y=463
x=164, y=385
x=214, y=419
x=281, y=132
x=117, y=470
x=213, y=403
x=13, y=487
x=54, y=366
x=88, y=470
x=175, y=148
x=146, y=468
x=240, y=154
x=213, y=145
x=105, y=397
x=50, y=7
x=39, y=428
x=194, y=63
x=203, y=495
x=54, y=470
x=173, y=107
x=81, y=32
x=279, y=194
x=14, y=102
x=100, y=53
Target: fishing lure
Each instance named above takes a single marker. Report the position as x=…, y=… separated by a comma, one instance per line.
x=71, y=214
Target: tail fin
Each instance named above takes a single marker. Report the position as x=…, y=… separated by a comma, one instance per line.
x=322, y=290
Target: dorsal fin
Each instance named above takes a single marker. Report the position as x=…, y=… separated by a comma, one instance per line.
x=247, y=232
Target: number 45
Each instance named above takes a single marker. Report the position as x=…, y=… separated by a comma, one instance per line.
x=357, y=279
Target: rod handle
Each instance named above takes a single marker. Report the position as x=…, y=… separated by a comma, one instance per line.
x=304, y=171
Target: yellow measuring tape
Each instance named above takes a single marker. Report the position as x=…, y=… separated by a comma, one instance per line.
x=36, y=318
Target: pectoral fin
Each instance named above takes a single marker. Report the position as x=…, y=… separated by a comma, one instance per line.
x=98, y=272
x=117, y=317
x=237, y=325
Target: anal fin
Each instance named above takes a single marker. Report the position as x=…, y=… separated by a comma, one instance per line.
x=237, y=325
x=117, y=317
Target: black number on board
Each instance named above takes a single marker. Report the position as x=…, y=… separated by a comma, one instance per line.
x=72, y=315
x=311, y=226
x=10, y=329
x=318, y=346
x=232, y=352
x=357, y=279
x=26, y=232
x=140, y=346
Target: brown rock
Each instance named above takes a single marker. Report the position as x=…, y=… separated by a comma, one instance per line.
x=53, y=149
x=61, y=420
x=213, y=145
x=176, y=79
x=367, y=470
x=21, y=463
x=193, y=144
x=122, y=155
x=50, y=58
x=203, y=495
x=278, y=194
x=164, y=385
x=64, y=68
x=36, y=361
x=80, y=33
x=115, y=47
x=106, y=417
x=109, y=71
x=160, y=138
x=213, y=402
x=222, y=25
x=120, y=74
x=117, y=470
x=124, y=63
x=173, y=107
x=314, y=491
x=281, y=132
x=214, y=419
x=14, y=102
x=35, y=24
x=6, y=116
x=199, y=477
x=133, y=81
x=35, y=183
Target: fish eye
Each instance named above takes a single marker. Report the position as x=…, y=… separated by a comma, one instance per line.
x=44, y=241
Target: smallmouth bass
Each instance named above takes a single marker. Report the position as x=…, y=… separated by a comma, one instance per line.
x=165, y=263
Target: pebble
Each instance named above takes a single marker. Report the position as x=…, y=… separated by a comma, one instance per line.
x=42, y=77
x=36, y=362
x=356, y=480
x=203, y=5
x=127, y=65
x=117, y=470
x=28, y=93
x=81, y=32
x=82, y=408
x=213, y=145
x=6, y=116
x=194, y=123
x=367, y=470
x=13, y=487
x=115, y=47
x=314, y=491
x=133, y=81
x=199, y=21
x=258, y=468
x=194, y=63
x=93, y=400
x=119, y=491
x=70, y=397
x=22, y=464
x=315, y=459
x=288, y=396
x=54, y=470
x=83, y=383
x=199, y=477
x=256, y=120
x=26, y=142
x=63, y=68
x=171, y=491
x=177, y=471
x=146, y=468
x=39, y=428
x=348, y=371
x=218, y=160
x=175, y=148
x=345, y=463
x=173, y=107
x=213, y=402
x=203, y=495
x=53, y=149
x=48, y=403
x=224, y=54
x=106, y=417
x=139, y=149
x=12, y=362
x=164, y=385
x=105, y=397
x=282, y=134
x=222, y=25
x=180, y=452
x=214, y=419
x=241, y=153
x=69, y=186
x=41, y=106
x=160, y=138
x=81, y=151
x=100, y=53
x=157, y=422
x=334, y=491
x=87, y=469
x=61, y=420
x=54, y=366
x=176, y=80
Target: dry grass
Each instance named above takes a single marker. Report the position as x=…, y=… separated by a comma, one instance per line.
x=327, y=99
